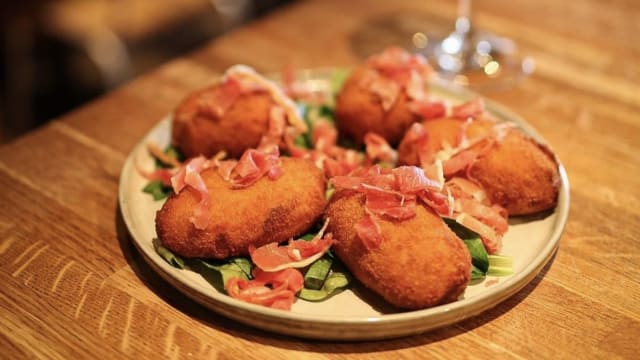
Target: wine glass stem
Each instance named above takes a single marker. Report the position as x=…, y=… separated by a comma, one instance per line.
x=463, y=25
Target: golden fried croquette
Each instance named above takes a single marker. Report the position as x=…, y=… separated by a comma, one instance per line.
x=519, y=175
x=267, y=211
x=197, y=130
x=358, y=111
x=420, y=262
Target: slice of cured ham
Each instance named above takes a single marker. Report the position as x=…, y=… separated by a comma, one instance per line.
x=189, y=175
x=271, y=289
x=296, y=254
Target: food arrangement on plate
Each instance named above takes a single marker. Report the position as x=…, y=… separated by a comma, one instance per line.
x=277, y=193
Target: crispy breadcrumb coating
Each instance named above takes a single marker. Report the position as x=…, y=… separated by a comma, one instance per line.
x=199, y=132
x=267, y=211
x=420, y=262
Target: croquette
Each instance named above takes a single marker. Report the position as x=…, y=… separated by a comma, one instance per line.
x=420, y=262
x=197, y=130
x=267, y=211
x=359, y=110
x=519, y=175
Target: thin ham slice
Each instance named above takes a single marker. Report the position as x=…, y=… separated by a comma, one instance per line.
x=473, y=210
x=417, y=137
x=398, y=64
x=296, y=254
x=491, y=240
x=216, y=102
x=369, y=232
x=378, y=149
x=189, y=175
x=471, y=109
x=464, y=188
x=412, y=179
x=276, y=129
x=324, y=136
x=390, y=204
x=253, y=165
x=249, y=77
x=396, y=70
x=428, y=109
x=162, y=174
x=459, y=162
x=271, y=289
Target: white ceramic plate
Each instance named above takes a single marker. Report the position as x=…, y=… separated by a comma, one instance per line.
x=354, y=314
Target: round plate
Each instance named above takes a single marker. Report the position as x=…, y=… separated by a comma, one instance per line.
x=354, y=314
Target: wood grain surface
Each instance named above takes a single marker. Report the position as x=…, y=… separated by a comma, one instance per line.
x=73, y=285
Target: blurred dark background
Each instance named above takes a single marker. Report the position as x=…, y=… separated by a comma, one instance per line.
x=57, y=54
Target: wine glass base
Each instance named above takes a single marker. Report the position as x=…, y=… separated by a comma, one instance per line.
x=483, y=61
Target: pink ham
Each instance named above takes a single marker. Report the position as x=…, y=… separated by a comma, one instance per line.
x=189, y=175
x=296, y=254
x=369, y=232
x=471, y=109
x=253, y=165
x=377, y=148
x=271, y=289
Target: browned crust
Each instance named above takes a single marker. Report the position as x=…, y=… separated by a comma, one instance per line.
x=267, y=211
x=241, y=127
x=420, y=263
x=518, y=174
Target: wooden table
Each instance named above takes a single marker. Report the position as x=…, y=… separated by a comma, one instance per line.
x=73, y=285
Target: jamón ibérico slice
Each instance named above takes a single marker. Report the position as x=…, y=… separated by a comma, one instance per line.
x=389, y=204
x=428, y=109
x=369, y=232
x=435, y=172
x=275, y=130
x=397, y=64
x=441, y=203
x=162, y=174
x=250, y=80
x=377, y=148
x=296, y=254
x=324, y=136
x=463, y=188
x=471, y=109
x=491, y=240
x=216, y=102
x=271, y=289
x=346, y=182
x=459, y=162
x=412, y=179
x=253, y=165
x=418, y=138
x=384, y=88
x=333, y=168
x=494, y=216
x=189, y=175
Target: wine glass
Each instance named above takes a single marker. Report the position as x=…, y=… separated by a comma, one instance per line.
x=474, y=58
